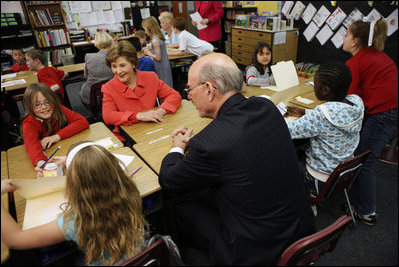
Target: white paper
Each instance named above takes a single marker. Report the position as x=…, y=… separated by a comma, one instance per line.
x=336, y=18
x=265, y=96
x=101, y=5
x=355, y=15
x=197, y=18
x=308, y=14
x=190, y=6
x=87, y=19
x=80, y=6
x=285, y=75
x=287, y=7
x=324, y=34
x=321, y=16
x=119, y=16
x=280, y=38
x=282, y=108
x=338, y=38
x=14, y=82
x=106, y=142
x=297, y=10
x=159, y=139
x=8, y=76
x=392, y=22
x=79, y=43
x=50, y=213
x=126, y=160
x=100, y=17
x=145, y=13
x=374, y=15
x=304, y=100
x=310, y=31
x=32, y=188
x=109, y=17
x=116, y=5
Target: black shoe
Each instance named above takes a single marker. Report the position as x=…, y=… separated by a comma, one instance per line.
x=368, y=219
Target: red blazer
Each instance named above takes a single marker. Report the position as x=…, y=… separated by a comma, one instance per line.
x=51, y=76
x=33, y=131
x=17, y=68
x=374, y=79
x=121, y=104
x=212, y=10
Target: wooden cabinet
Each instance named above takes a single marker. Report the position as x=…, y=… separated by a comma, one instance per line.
x=244, y=41
x=49, y=29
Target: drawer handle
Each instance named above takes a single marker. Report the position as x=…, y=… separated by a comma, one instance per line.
x=239, y=31
x=239, y=45
x=239, y=39
x=239, y=53
x=260, y=34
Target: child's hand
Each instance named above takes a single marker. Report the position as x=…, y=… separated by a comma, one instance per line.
x=146, y=51
x=59, y=160
x=48, y=141
x=7, y=186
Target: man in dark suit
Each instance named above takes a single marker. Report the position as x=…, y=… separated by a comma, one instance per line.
x=239, y=195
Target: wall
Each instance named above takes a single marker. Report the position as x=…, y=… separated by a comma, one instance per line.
x=267, y=6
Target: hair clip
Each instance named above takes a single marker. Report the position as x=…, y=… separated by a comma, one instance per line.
x=371, y=30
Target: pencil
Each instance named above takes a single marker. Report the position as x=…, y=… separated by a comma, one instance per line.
x=136, y=170
x=41, y=167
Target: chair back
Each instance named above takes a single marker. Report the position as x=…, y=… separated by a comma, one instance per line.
x=308, y=249
x=343, y=176
x=96, y=100
x=156, y=254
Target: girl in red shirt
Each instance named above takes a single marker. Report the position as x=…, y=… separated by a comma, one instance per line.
x=46, y=122
x=375, y=80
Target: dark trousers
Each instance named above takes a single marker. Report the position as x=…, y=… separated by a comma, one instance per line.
x=219, y=45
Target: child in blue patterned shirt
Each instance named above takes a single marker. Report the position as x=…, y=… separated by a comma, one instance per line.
x=333, y=127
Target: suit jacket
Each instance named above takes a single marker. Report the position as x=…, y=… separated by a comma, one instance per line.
x=95, y=71
x=247, y=159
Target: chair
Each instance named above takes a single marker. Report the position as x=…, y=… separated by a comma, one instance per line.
x=156, y=254
x=308, y=249
x=342, y=178
x=96, y=101
x=389, y=154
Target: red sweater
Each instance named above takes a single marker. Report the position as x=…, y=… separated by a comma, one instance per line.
x=33, y=131
x=212, y=10
x=17, y=68
x=51, y=76
x=121, y=104
x=374, y=79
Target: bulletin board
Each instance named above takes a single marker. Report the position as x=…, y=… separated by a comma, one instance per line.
x=313, y=51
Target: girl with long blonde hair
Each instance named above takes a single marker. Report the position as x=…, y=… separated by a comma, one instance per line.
x=103, y=213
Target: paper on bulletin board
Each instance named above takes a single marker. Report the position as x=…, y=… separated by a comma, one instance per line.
x=100, y=17
x=297, y=10
x=101, y=5
x=374, y=15
x=80, y=6
x=336, y=18
x=88, y=19
x=287, y=7
x=116, y=5
x=321, y=16
x=119, y=16
x=338, y=38
x=392, y=22
x=324, y=34
x=355, y=15
x=145, y=13
x=280, y=38
x=308, y=14
x=109, y=17
x=310, y=31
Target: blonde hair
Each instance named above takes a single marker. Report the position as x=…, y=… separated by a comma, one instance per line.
x=102, y=40
x=105, y=205
x=122, y=49
x=30, y=96
x=166, y=16
x=361, y=29
x=152, y=26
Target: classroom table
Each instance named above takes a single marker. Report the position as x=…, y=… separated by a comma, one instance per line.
x=5, y=251
x=20, y=167
x=73, y=68
x=28, y=76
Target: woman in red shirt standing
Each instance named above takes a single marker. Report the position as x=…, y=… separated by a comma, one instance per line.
x=211, y=13
x=375, y=80
x=46, y=122
x=130, y=92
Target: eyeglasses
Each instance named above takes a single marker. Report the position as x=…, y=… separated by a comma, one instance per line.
x=188, y=89
x=38, y=105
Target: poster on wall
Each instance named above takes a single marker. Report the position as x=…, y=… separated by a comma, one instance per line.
x=310, y=31
x=324, y=34
x=297, y=10
x=392, y=22
x=308, y=14
x=336, y=18
x=338, y=38
x=355, y=15
x=321, y=16
x=287, y=7
x=374, y=15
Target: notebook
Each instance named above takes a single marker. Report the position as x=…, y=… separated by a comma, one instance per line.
x=285, y=76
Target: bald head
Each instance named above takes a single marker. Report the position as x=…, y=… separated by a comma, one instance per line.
x=220, y=69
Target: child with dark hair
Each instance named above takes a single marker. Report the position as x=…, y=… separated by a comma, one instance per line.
x=333, y=127
x=20, y=62
x=258, y=73
x=145, y=63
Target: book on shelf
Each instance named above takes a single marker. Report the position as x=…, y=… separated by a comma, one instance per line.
x=262, y=22
x=242, y=20
x=253, y=21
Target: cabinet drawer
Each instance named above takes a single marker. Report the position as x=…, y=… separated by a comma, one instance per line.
x=259, y=36
x=238, y=32
x=244, y=41
x=242, y=61
x=243, y=47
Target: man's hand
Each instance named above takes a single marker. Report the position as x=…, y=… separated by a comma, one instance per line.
x=181, y=136
x=48, y=141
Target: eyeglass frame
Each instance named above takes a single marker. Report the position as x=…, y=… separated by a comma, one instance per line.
x=188, y=90
x=37, y=106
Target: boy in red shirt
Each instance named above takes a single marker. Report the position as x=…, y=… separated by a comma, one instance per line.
x=48, y=75
x=20, y=63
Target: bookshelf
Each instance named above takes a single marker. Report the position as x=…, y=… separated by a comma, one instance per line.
x=49, y=29
x=228, y=22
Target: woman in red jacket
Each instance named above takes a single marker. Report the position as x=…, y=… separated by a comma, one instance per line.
x=46, y=122
x=211, y=13
x=130, y=92
x=375, y=80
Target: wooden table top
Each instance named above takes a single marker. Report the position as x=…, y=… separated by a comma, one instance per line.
x=73, y=67
x=5, y=251
x=186, y=115
x=186, y=56
x=28, y=76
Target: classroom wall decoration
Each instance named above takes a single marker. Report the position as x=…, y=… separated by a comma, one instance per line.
x=323, y=25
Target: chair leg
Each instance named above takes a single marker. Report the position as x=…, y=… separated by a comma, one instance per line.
x=350, y=207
